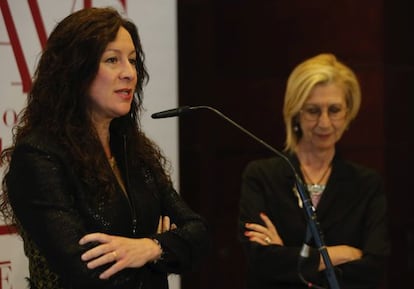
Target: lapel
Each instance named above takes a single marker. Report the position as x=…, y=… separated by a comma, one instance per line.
x=340, y=195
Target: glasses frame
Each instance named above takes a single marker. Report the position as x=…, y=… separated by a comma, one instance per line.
x=331, y=115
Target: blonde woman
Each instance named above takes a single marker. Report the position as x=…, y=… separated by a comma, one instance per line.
x=322, y=98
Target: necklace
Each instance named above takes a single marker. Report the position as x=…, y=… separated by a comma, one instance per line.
x=115, y=169
x=316, y=187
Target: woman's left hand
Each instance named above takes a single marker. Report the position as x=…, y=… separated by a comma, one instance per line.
x=122, y=252
x=164, y=225
x=264, y=235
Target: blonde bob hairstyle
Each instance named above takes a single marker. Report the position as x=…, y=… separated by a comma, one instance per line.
x=320, y=69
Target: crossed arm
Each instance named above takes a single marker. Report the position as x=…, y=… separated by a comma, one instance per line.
x=268, y=235
x=124, y=252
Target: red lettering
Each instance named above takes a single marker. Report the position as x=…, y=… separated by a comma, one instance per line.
x=41, y=31
x=9, y=117
x=123, y=2
x=87, y=3
x=5, y=273
x=37, y=18
x=15, y=43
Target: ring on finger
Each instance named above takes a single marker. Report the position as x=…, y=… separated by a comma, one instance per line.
x=115, y=255
x=267, y=240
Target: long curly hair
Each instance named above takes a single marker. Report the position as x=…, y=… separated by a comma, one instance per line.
x=58, y=100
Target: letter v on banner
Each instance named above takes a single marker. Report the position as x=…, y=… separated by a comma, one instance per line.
x=37, y=18
x=16, y=46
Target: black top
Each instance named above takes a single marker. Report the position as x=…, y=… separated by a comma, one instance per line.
x=55, y=209
x=351, y=211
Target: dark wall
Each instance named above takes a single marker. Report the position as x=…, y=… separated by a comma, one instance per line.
x=399, y=135
x=236, y=56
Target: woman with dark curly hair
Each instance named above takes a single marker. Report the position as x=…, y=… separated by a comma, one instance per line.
x=87, y=190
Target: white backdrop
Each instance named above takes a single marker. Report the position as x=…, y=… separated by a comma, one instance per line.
x=21, y=38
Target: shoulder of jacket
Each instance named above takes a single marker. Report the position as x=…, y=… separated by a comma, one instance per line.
x=40, y=141
x=357, y=170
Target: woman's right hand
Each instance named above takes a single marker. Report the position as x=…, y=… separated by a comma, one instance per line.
x=123, y=252
x=341, y=254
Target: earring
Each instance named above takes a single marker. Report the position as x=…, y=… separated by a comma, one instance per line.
x=296, y=128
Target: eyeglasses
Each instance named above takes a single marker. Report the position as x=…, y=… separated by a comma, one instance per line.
x=314, y=112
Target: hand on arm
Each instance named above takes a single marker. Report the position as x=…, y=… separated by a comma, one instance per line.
x=124, y=252
x=268, y=235
x=341, y=254
x=264, y=235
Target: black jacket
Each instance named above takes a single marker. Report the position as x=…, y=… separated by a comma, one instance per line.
x=54, y=209
x=352, y=211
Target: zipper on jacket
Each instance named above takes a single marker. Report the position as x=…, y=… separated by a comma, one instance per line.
x=127, y=186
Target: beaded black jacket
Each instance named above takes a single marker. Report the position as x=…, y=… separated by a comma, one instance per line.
x=53, y=211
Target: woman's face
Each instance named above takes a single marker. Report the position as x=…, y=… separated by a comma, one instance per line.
x=112, y=90
x=323, y=117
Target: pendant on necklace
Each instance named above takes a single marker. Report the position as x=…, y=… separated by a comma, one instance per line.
x=315, y=188
x=315, y=192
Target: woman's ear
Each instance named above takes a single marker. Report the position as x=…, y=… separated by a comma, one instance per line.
x=296, y=125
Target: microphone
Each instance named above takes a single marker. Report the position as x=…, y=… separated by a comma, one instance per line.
x=313, y=225
x=171, y=112
x=184, y=109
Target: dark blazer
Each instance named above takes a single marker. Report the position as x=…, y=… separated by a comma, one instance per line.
x=55, y=209
x=352, y=211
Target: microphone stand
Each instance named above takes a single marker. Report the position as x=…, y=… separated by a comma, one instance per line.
x=313, y=225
